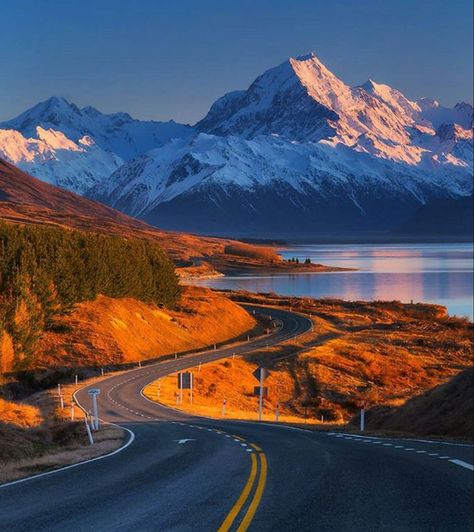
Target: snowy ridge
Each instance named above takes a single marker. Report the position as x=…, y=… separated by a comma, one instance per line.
x=58, y=160
x=118, y=132
x=78, y=148
x=298, y=140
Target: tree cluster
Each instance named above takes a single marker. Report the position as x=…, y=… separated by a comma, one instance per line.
x=44, y=271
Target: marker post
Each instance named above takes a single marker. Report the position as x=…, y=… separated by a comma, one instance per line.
x=94, y=392
x=260, y=394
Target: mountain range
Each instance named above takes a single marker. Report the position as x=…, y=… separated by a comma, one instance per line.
x=299, y=153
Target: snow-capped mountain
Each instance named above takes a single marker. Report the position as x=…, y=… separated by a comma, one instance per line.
x=58, y=160
x=298, y=152
x=301, y=151
x=118, y=132
x=77, y=148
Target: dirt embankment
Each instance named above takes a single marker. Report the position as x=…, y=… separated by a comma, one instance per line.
x=359, y=353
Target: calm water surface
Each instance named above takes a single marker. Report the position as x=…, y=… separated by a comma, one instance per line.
x=434, y=273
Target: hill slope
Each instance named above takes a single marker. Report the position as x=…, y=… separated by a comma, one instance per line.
x=447, y=409
x=25, y=199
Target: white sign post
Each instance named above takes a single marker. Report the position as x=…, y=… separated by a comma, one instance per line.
x=261, y=374
x=362, y=419
x=94, y=392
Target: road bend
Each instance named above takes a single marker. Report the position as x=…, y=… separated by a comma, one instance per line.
x=188, y=473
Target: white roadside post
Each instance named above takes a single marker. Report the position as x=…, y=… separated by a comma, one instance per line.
x=362, y=419
x=102, y=371
x=75, y=379
x=277, y=412
x=61, y=401
x=89, y=433
x=59, y=389
x=94, y=392
x=260, y=395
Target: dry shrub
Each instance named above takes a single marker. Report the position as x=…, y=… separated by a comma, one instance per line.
x=252, y=252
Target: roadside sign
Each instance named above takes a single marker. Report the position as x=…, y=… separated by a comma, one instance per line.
x=261, y=373
x=185, y=380
x=93, y=391
x=256, y=391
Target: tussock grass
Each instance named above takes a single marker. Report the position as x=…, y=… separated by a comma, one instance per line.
x=359, y=353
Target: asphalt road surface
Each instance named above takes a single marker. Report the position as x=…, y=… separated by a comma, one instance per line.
x=188, y=473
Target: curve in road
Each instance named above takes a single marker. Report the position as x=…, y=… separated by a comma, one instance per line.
x=189, y=473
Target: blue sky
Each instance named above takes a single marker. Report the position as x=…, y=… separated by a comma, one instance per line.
x=171, y=59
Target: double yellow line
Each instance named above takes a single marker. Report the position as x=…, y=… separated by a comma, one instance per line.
x=255, y=471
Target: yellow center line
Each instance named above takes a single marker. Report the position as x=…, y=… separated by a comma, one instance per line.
x=241, y=500
x=258, y=494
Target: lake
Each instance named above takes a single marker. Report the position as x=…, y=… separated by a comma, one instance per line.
x=432, y=273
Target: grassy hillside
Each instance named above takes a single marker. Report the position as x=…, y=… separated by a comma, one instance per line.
x=115, y=331
x=27, y=200
x=447, y=409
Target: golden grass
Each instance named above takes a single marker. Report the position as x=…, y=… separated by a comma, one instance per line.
x=359, y=353
x=107, y=439
x=19, y=415
x=445, y=409
x=230, y=380
x=114, y=331
x=38, y=435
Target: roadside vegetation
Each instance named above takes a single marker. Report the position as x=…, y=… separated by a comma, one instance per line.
x=45, y=271
x=371, y=354
x=446, y=409
x=38, y=435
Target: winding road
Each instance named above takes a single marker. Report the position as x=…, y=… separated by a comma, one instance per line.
x=185, y=473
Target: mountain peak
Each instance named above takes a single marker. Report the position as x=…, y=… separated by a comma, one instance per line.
x=307, y=57
x=56, y=103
